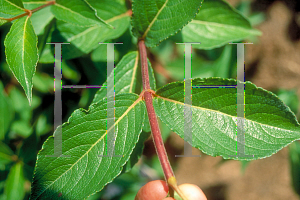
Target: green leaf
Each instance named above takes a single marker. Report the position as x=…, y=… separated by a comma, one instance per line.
x=42, y=127
x=21, y=128
x=126, y=75
x=137, y=152
x=14, y=185
x=294, y=151
x=41, y=18
x=290, y=98
x=5, y=154
x=6, y=112
x=43, y=82
x=83, y=138
x=2, y=21
x=76, y=12
x=21, y=53
x=216, y=25
x=269, y=124
x=83, y=40
x=11, y=7
x=28, y=149
x=221, y=67
x=154, y=21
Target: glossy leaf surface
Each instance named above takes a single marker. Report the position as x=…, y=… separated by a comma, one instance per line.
x=76, y=12
x=269, y=124
x=11, y=7
x=127, y=74
x=41, y=18
x=83, y=138
x=21, y=53
x=85, y=39
x=155, y=21
x=217, y=24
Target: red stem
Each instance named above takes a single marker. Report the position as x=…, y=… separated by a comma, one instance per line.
x=157, y=139
x=144, y=63
x=29, y=12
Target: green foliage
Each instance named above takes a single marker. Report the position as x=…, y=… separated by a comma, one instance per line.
x=157, y=20
x=26, y=128
x=14, y=185
x=269, y=123
x=76, y=12
x=84, y=40
x=6, y=112
x=84, y=136
x=41, y=18
x=11, y=7
x=216, y=25
x=295, y=165
x=21, y=53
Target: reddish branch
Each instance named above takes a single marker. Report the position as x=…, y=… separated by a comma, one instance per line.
x=156, y=134
x=29, y=12
x=158, y=142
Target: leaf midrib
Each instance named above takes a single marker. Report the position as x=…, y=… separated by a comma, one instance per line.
x=36, y=2
x=93, y=10
x=254, y=31
x=23, y=55
x=216, y=111
x=76, y=13
x=119, y=119
x=97, y=26
x=154, y=19
x=14, y=5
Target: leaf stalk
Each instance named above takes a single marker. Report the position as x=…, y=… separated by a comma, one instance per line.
x=30, y=12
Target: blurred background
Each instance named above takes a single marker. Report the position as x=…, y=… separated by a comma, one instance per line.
x=272, y=62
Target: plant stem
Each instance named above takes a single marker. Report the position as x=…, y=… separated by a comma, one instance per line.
x=29, y=12
x=144, y=65
x=156, y=134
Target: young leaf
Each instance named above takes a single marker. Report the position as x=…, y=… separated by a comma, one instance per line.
x=269, y=124
x=6, y=112
x=11, y=8
x=85, y=172
x=21, y=53
x=83, y=40
x=14, y=185
x=154, y=21
x=76, y=12
x=217, y=24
